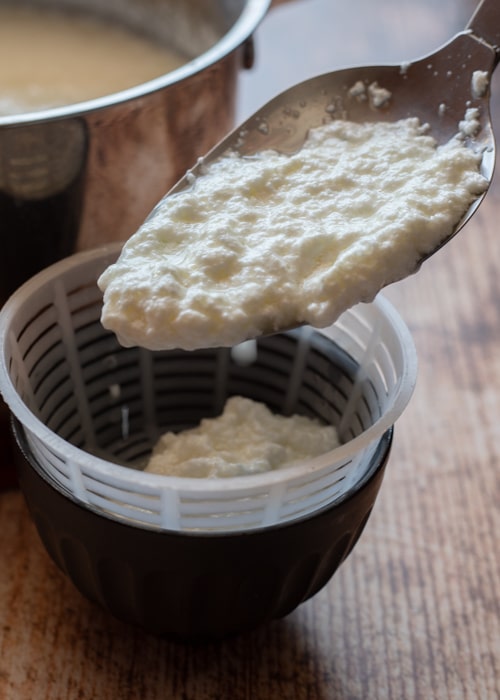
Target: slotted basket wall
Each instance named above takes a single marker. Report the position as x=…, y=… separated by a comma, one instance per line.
x=91, y=410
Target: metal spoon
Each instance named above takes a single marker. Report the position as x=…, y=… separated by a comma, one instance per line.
x=437, y=89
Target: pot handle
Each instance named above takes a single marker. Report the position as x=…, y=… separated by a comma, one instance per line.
x=248, y=55
x=248, y=59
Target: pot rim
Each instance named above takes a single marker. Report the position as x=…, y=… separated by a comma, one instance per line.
x=252, y=14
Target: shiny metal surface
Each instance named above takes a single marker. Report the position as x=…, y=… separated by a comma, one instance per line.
x=436, y=88
x=78, y=176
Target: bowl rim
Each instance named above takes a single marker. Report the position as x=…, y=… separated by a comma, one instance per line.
x=192, y=485
x=250, y=17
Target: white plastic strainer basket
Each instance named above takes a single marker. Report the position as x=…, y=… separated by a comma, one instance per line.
x=89, y=406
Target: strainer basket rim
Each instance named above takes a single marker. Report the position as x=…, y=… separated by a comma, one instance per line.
x=91, y=463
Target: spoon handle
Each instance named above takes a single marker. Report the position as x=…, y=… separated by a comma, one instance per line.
x=485, y=24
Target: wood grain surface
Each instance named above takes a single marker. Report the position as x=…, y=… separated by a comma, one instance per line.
x=414, y=613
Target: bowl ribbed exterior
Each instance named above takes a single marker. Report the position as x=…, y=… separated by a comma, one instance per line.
x=197, y=586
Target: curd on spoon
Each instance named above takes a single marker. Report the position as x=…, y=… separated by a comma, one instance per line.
x=270, y=241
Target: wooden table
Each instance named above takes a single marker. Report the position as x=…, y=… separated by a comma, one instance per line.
x=415, y=610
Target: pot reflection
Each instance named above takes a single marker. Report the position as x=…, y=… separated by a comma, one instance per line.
x=78, y=176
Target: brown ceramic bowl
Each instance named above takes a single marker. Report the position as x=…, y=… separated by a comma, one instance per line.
x=196, y=586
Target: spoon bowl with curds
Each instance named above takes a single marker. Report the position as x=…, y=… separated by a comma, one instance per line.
x=437, y=89
x=325, y=228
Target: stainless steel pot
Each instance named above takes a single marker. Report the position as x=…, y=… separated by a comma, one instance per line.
x=78, y=176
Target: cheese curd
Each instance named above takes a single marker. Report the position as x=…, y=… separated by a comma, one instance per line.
x=247, y=438
x=480, y=83
x=261, y=243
